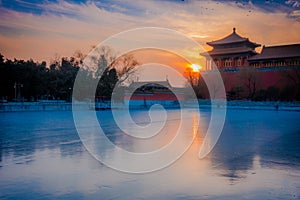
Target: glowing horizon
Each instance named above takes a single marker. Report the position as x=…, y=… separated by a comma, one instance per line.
x=60, y=27
x=40, y=31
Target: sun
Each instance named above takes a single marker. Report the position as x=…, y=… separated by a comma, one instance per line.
x=195, y=67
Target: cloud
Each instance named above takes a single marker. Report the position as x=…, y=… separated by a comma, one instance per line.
x=294, y=3
x=295, y=14
x=63, y=27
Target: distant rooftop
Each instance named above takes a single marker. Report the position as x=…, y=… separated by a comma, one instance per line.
x=232, y=38
x=280, y=51
x=150, y=83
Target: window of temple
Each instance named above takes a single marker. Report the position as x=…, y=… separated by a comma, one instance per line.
x=228, y=62
x=269, y=64
x=239, y=62
x=218, y=63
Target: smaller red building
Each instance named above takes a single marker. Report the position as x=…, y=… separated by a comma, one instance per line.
x=146, y=94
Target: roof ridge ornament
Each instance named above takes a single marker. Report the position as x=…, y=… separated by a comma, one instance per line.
x=234, y=29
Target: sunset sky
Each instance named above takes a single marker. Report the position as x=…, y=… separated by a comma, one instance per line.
x=39, y=29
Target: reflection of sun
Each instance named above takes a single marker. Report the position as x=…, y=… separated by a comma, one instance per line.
x=195, y=67
x=195, y=124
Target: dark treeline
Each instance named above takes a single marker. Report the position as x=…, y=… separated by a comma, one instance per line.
x=28, y=80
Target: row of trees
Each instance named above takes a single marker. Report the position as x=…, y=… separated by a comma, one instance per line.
x=29, y=80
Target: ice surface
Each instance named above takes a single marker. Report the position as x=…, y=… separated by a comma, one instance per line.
x=256, y=157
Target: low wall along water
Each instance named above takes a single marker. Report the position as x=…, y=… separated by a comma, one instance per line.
x=40, y=106
x=67, y=106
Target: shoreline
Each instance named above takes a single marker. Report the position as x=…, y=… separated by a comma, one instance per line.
x=253, y=105
x=203, y=104
x=39, y=106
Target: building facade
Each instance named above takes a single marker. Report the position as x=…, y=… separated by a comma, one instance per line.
x=230, y=52
x=249, y=74
x=234, y=51
x=282, y=56
x=146, y=94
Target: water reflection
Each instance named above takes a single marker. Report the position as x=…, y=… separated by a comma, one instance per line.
x=256, y=134
x=1, y=147
x=286, y=153
x=256, y=157
x=22, y=134
x=133, y=144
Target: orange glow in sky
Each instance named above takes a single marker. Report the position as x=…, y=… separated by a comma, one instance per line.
x=62, y=27
x=160, y=57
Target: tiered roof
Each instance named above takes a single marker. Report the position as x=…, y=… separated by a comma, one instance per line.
x=232, y=38
x=231, y=44
x=236, y=50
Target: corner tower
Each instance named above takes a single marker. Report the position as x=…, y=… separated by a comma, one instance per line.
x=230, y=52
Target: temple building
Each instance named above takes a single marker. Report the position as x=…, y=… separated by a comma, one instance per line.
x=234, y=51
x=230, y=52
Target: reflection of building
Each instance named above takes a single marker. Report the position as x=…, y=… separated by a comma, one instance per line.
x=146, y=94
x=230, y=52
x=234, y=51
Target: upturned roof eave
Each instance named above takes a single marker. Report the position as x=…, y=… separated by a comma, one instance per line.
x=217, y=43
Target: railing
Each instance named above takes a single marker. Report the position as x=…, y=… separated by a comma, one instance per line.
x=274, y=68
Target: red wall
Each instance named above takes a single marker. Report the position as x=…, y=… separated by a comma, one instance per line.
x=263, y=79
